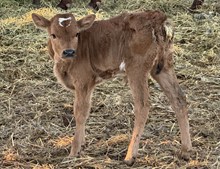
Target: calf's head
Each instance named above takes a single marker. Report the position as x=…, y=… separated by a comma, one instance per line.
x=63, y=31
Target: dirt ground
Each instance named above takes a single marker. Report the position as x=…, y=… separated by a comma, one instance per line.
x=36, y=124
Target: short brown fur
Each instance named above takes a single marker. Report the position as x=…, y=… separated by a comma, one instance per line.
x=141, y=40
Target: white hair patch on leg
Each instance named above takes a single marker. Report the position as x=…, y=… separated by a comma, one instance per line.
x=64, y=19
x=122, y=66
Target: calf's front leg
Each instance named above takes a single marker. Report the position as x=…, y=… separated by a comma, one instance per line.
x=139, y=88
x=81, y=112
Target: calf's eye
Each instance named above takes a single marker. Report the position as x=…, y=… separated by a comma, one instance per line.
x=77, y=34
x=53, y=36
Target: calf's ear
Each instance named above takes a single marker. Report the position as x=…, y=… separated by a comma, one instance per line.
x=40, y=21
x=86, y=22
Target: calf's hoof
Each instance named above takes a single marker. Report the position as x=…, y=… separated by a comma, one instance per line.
x=74, y=153
x=130, y=162
x=185, y=155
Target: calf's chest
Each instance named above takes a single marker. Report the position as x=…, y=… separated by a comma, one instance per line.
x=63, y=75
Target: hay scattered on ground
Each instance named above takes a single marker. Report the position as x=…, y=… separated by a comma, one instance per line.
x=36, y=125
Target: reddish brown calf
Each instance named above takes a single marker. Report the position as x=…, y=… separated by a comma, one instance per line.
x=136, y=44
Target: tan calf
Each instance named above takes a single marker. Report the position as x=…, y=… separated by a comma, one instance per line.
x=138, y=44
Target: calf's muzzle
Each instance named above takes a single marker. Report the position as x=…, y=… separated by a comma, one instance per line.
x=68, y=53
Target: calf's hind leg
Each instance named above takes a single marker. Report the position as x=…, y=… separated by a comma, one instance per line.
x=169, y=84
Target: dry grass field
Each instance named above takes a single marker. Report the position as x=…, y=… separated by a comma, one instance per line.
x=36, y=124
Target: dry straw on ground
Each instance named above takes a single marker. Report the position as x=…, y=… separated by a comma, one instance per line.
x=35, y=111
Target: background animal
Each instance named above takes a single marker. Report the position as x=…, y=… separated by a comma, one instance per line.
x=65, y=4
